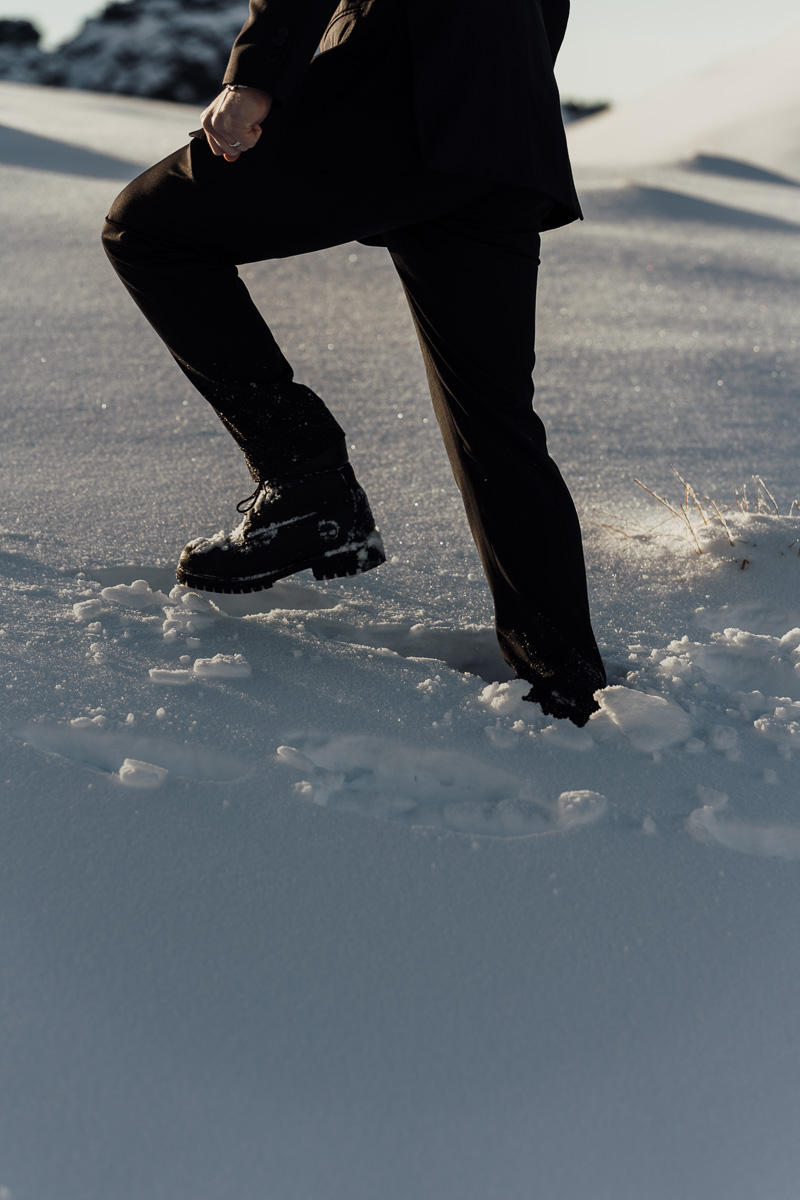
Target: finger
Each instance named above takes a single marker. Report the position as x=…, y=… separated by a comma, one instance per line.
x=218, y=130
x=231, y=152
x=228, y=143
x=217, y=147
x=227, y=138
x=246, y=142
x=237, y=139
x=221, y=140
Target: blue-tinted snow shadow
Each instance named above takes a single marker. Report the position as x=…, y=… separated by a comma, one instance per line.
x=737, y=168
x=653, y=204
x=472, y=651
x=20, y=149
x=17, y=566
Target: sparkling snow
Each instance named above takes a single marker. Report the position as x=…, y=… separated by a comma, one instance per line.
x=301, y=898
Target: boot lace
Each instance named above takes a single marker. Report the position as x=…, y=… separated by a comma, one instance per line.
x=248, y=504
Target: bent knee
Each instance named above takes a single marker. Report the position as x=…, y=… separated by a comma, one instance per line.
x=109, y=236
x=118, y=222
x=154, y=198
x=134, y=208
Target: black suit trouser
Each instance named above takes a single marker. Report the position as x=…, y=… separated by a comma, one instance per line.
x=467, y=254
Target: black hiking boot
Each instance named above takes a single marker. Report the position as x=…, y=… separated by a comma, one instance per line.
x=575, y=709
x=320, y=520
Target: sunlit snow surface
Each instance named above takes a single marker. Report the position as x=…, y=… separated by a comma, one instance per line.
x=300, y=898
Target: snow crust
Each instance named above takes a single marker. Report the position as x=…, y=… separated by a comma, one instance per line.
x=301, y=897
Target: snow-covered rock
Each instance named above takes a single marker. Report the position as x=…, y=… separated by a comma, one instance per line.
x=164, y=49
x=21, y=57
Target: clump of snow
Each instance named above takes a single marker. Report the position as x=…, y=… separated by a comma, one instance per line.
x=782, y=725
x=505, y=699
x=223, y=666
x=648, y=722
x=220, y=539
x=193, y=601
x=581, y=807
x=428, y=688
x=96, y=722
x=189, y=614
x=88, y=610
x=172, y=676
x=136, y=774
x=138, y=594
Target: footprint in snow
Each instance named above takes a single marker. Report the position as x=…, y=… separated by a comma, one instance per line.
x=473, y=651
x=759, y=840
x=434, y=789
x=137, y=760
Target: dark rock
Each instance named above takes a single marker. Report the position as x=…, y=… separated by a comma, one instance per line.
x=575, y=110
x=163, y=49
x=18, y=33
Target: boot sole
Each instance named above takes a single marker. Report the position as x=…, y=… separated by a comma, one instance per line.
x=338, y=564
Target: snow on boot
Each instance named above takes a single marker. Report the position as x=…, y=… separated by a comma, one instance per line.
x=320, y=520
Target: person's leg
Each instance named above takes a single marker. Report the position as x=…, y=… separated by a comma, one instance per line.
x=470, y=278
x=175, y=237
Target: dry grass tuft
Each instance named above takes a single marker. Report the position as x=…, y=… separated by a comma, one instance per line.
x=694, y=509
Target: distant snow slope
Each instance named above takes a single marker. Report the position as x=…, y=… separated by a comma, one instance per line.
x=299, y=897
x=746, y=107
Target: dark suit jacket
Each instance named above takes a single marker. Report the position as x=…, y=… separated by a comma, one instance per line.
x=464, y=86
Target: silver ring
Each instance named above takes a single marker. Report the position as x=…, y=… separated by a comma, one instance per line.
x=234, y=145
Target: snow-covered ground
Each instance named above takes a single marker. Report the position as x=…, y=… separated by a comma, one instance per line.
x=299, y=900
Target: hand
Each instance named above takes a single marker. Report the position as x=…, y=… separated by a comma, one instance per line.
x=235, y=117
